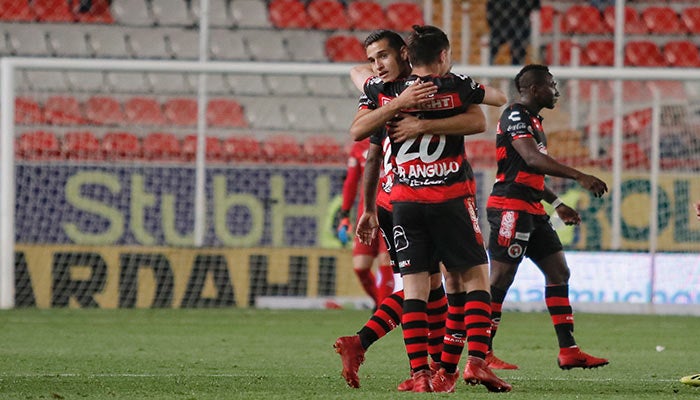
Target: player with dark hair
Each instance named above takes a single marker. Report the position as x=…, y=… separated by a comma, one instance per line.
x=519, y=225
x=363, y=255
x=435, y=217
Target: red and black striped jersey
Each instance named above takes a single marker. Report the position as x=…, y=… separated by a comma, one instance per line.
x=518, y=186
x=430, y=168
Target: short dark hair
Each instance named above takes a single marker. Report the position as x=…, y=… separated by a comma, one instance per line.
x=425, y=44
x=396, y=42
x=531, y=74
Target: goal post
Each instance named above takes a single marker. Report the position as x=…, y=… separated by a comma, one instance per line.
x=600, y=139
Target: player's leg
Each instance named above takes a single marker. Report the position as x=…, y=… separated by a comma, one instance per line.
x=362, y=261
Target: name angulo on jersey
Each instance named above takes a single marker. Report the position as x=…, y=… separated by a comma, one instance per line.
x=420, y=161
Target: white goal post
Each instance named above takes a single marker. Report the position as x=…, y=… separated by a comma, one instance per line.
x=10, y=66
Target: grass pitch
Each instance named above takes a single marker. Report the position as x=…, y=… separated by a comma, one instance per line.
x=263, y=354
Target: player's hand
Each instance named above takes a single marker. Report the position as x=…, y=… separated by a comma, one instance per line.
x=367, y=227
x=404, y=127
x=697, y=210
x=343, y=230
x=593, y=184
x=568, y=215
x=416, y=95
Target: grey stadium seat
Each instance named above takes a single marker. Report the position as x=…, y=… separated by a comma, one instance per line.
x=216, y=84
x=306, y=46
x=170, y=82
x=264, y=112
x=183, y=44
x=219, y=15
x=340, y=112
x=68, y=41
x=227, y=45
x=131, y=12
x=147, y=43
x=305, y=115
x=266, y=45
x=47, y=81
x=108, y=42
x=286, y=85
x=86, y=81
x=250, y=14
x=253, y=84
x=171, y=13
x=128, y=82
x=26, y=40
x=331, y=86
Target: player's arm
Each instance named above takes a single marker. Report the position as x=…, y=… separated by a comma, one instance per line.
x=697, y=210
x=527, y=148
x=368, y=223
x=567, y=214
x=494, y=97
x=359, y=75
x=407, y=126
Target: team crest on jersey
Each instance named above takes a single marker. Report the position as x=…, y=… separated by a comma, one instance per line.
x=515, y=250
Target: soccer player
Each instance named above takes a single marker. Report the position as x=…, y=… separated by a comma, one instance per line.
x=435, y=217
x=363, y=255
x=519, y=225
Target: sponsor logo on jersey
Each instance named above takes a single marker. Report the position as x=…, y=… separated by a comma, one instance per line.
x=517, y=127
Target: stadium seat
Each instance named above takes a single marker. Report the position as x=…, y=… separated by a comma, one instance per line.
x=634, y=91
x=81, y=145
x=690, y=17
x=633, y=23
x=225, y=113
x=481, y=153
x=117, y=146
x=306, y=46
x=605, y=92
x=634, y=156
x=170, y=82
x=180, y=111
x=670, y=90
x=47, y=80
x=681, y=53
x=327, y=14
x=338, y=86
x=336, y=112
x=227, y=45
x=183, y=43
x=305, y=115
x=127, y=82
x=86, y=81
x=53, y=11
x=323, y=149
x=214, y=149
x=242, y=148
x=643, y=53
x=26, y=40
x=245, y=84
x=345, y=48
x=281, y=148
x=109, y=42
x=565, y=48
x=662, y=20
x=264, y=112
x=143, y=111
x=97, y=12
x=286, y=14
x=582, y=19
x=366, y=15
x=286, y=85
x=599, y=52
x=266, y=45
x=16, y=11
x=103, y=110
x=250, y=14
x=547, y=19
x=160, y=146
x=63, y=110
x=132, y=12
x=147, y=43
x=171, y=13
x=403, y=15
x=28, y=111
x=38, y=145
x=68, y=41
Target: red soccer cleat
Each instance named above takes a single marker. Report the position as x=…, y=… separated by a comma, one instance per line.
x=477, y=371
x=407, y=385
x=496, y=363
x=444, y=381
x=421, y=381
x=573, y=357
x=352, y=354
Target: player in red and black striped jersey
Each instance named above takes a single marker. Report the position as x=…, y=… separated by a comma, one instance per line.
x=519, y=225
x=435, y=215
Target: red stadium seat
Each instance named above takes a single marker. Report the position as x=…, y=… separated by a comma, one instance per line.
x=16, y=11
x=481, y=153
x=644, y=53
x=97, y=13
x=582, y=19
x=53, y=10
x=547, y=19
x=286, y=14
x=327, y=14
x=181, y=111
x=366, y=15
x=599, y=52
x=605, y=92
x=82, y=145
x=161, y=146
x=28, y=111
x=633, y=23
x=282, y=149
x=38, y=145
x=143, y=111
x=214, y=149
x=402, y=16
x=565, y=48
x=104, y=110
x=323, y=149
x=634, y=156
x=690, y=17
x=225, y=113
x=682, y=53
x=118, y=146
x=63, y=110
x=634, y=91
x=663, y=20
x=345, y=48
x=242, y=148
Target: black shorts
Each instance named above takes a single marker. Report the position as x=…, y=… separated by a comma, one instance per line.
x=448, y=232
x=516, y=234
x=387, y=225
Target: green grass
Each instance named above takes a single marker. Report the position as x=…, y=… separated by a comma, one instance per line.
x=262, y=354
